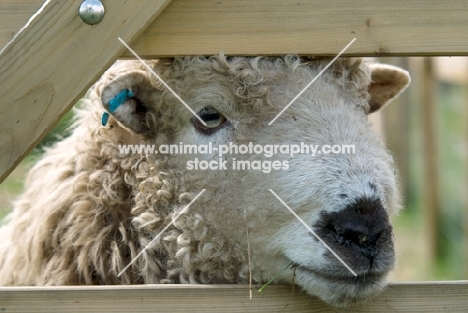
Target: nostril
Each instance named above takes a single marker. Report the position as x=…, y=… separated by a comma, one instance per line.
x=359, y=237
x=368, y=239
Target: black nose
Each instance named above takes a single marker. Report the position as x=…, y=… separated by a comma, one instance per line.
x=359, y=226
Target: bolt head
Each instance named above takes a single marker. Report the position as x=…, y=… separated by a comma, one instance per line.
x=91, y=11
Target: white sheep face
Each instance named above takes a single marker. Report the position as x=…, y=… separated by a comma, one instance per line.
x=345, y=198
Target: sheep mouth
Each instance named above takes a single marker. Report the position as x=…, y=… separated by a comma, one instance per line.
x=361, y=280
x=340, y=289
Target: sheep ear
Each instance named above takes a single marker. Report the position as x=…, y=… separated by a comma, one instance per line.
x=387, y=83
x=128, y=99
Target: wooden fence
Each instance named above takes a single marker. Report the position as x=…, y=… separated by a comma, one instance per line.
x=48, y=65
x=404, y=297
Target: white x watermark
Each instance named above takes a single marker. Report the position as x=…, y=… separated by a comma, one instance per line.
x=313, y=233
x=201, y=120
x=160, y=233
x=162, y=81
x=313, y=80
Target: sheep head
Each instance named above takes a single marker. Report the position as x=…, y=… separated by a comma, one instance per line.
x=345, y=198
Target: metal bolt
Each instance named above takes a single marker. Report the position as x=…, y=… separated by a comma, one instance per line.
x=91, y=11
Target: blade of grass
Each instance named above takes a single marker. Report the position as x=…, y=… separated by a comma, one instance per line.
x=248, y=254
x=274, y=277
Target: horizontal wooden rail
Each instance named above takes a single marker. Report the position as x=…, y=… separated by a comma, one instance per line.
x=265, y=27
x=319, y=27
x=398, y=297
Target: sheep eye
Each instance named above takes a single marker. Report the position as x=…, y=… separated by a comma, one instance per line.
x=213, y=119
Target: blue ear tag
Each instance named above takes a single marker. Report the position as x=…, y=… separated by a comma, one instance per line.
x=104, y=118
x=117, y=101
x=121, y=97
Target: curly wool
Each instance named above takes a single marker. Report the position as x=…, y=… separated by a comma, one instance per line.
x=88, y=210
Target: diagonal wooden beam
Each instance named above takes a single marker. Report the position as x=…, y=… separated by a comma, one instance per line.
x=52, y=62
x=13, y=15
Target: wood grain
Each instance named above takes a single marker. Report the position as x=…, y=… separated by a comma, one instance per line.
x=319, y=27
x=51, y=63
x=266, y=27
x=13, y=15
x=404, y=297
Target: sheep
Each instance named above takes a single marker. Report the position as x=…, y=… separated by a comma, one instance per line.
x=89, y=209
